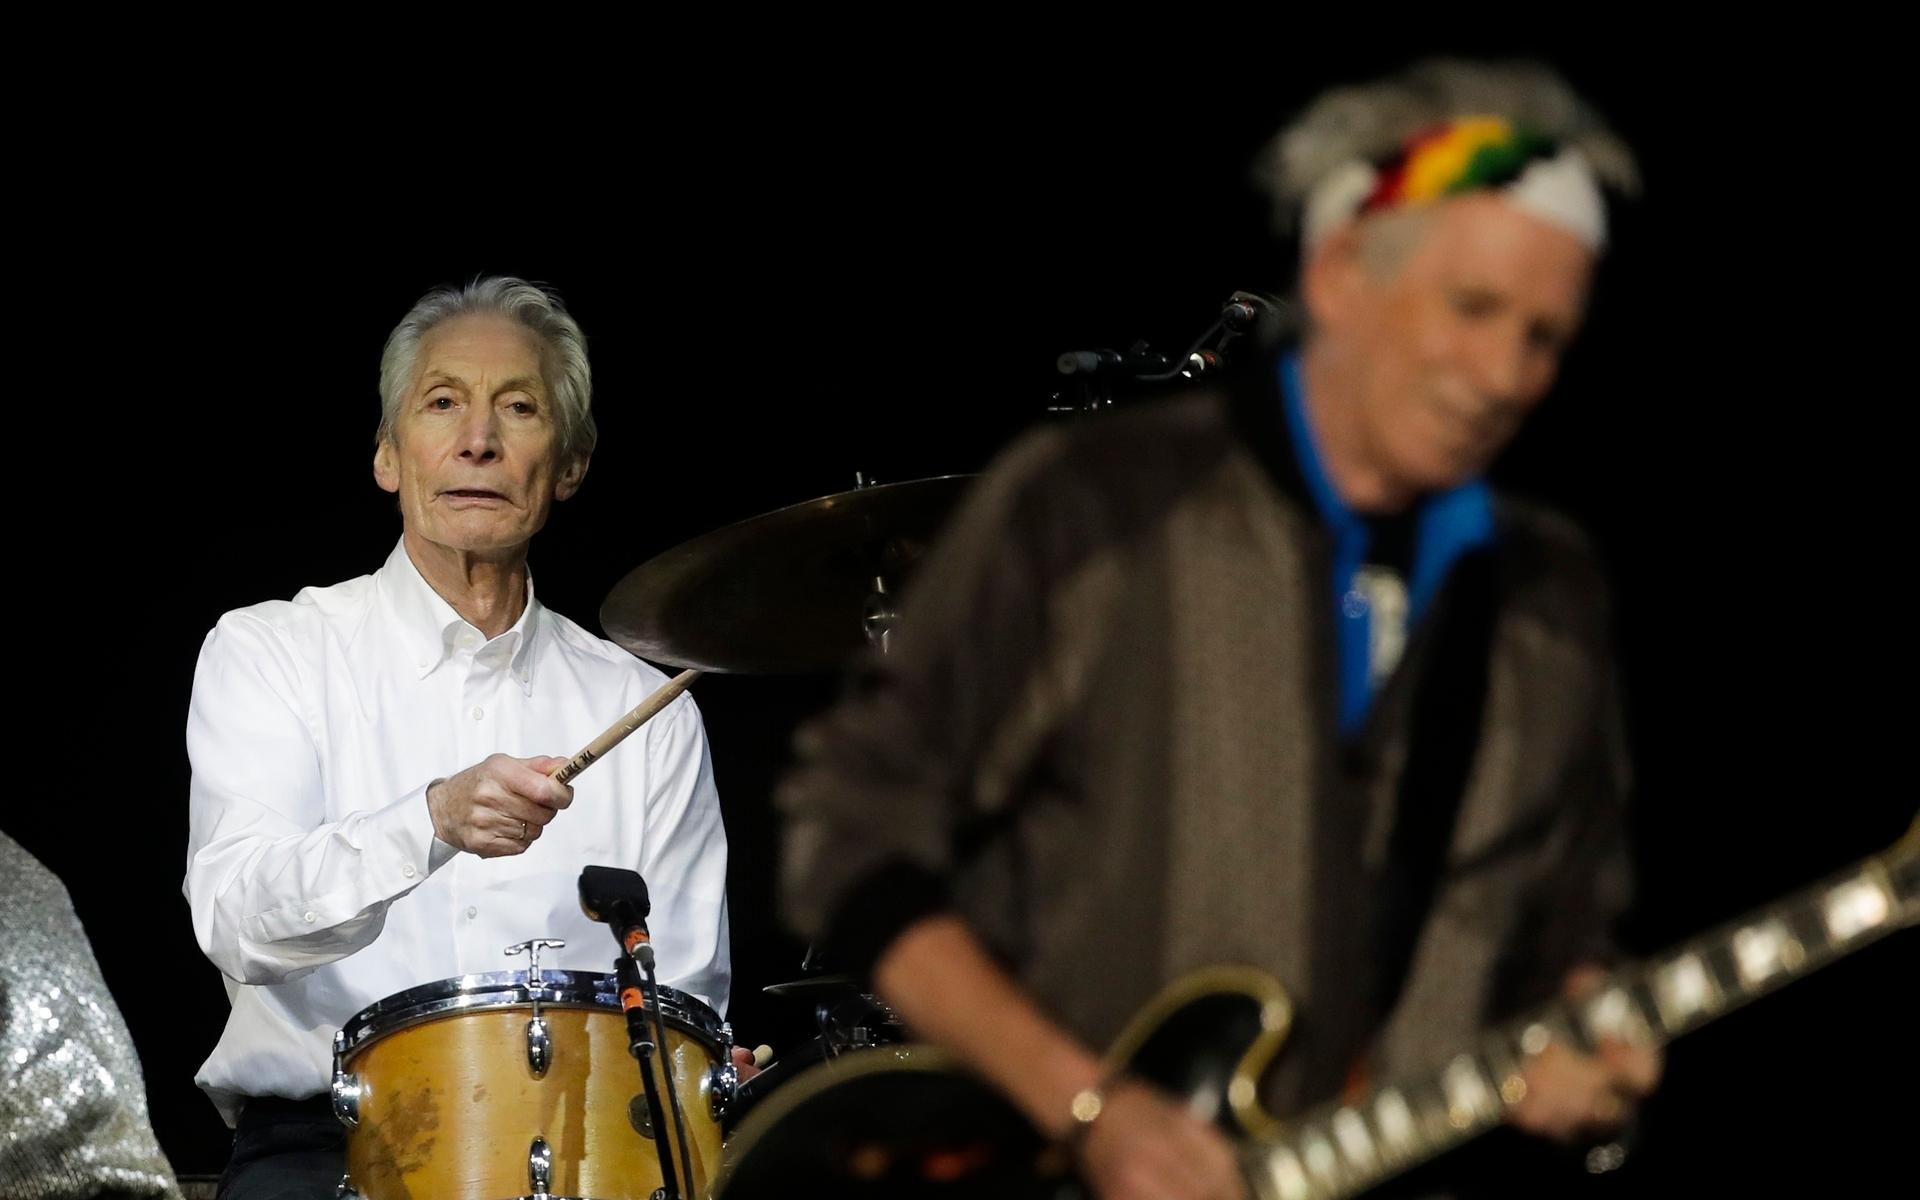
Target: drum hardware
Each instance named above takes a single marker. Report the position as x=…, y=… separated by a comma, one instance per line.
x=723, y=1081
x=346, y=1088
x=879, y=617
x=540, y=1168
x=847, y=1020
x=539, y=1036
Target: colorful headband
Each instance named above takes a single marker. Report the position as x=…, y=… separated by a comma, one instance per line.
x=1462, y=155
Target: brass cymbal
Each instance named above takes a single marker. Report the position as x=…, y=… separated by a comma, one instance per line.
x=782, y=592
x=816, y=987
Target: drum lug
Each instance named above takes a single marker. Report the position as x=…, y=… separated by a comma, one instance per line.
x=539, y=1039
x=723, y=1083
x=345, y=1190
x=346, y=1088
x=539, y=1047
x=540, y=1168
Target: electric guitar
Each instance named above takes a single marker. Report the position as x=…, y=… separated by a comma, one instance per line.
x=903, y=1120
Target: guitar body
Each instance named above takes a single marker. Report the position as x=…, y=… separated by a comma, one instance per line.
x=900, y=1121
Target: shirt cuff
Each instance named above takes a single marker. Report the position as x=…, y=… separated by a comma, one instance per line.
x=439, y=854
x=398, y=843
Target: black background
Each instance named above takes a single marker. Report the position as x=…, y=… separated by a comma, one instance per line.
x=859, y=262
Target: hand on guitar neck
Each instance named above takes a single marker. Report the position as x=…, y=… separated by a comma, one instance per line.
x=1575, y=1097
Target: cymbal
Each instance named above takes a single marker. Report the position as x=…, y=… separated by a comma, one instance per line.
x=818, y=987
x=785, y=591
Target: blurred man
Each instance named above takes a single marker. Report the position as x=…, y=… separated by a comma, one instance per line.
x=1268, y=675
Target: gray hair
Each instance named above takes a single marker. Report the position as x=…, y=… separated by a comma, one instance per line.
x=563, y=361
x=1368, y=122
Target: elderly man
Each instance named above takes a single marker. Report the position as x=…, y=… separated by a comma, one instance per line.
x=371, y=807
x=1267, y=675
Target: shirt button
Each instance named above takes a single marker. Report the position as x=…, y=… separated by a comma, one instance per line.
x=408, y=871
x=311, y=917
x=472, y=912
x=478, y=713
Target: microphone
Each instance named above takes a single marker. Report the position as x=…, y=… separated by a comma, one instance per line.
x=617, y=898
x=1138, y=361
x=1269, y=318
x=1086, y=362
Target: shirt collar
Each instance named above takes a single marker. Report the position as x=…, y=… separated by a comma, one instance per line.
x=430, y=630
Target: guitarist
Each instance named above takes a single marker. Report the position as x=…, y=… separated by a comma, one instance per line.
x=1267, y=674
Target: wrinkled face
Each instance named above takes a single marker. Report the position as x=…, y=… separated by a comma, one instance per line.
x=474, y=454
x=1446, y=350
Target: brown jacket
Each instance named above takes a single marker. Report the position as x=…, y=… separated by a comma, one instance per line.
x=1107, y=737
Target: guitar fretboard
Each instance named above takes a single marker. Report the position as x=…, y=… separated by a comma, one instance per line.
x=1341, y=1150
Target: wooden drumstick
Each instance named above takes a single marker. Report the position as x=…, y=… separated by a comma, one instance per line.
x=645, y=711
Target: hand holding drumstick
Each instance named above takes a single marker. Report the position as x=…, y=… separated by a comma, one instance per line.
x=498, y=806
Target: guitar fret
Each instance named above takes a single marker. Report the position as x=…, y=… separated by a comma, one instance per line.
x=1718, y=954
x=1288, y=1175
x=1323, y=1161
x=1904, y=877
x=1394, y=1119
x=1428, y=1113
x=1614, y=1013
x=1355, y=1140
x=1555, y=1022
x=1765, y=949
x=1684, y=991
x=1469, y=1097
x=1535, y=1038
x=1858, y=905
x=1809, y=928
x=1499, y=1052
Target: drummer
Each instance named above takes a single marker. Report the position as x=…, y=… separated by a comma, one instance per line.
x=370, y=801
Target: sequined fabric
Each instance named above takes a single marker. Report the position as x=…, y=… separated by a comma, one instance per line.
x=73, y=1105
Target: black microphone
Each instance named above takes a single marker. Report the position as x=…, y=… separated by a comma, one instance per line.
x=1086, y=362
x=1138, y=361
x=617, y=898
x=1269, y=318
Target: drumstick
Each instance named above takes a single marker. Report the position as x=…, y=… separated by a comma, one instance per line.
x=645, y=711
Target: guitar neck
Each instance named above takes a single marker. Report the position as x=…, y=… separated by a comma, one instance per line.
x=1341, y=1150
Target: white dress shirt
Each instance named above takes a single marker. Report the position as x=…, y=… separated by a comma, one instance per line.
x=316, y=882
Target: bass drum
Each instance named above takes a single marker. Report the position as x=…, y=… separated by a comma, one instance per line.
x=890, y=1122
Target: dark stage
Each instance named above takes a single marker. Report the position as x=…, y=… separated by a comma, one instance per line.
x=787, y=281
